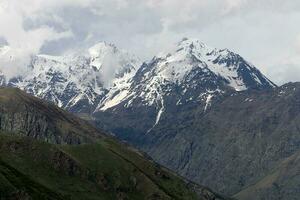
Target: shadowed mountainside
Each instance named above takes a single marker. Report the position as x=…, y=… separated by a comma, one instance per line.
x=40, y=160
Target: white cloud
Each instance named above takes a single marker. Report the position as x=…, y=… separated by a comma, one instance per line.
x=298, y=43
x=263, y=32
x=231, y=5
x=23, y=43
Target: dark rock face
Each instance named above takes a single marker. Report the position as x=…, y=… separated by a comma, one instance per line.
x=26, y=115
x=281, y=183
x=28, y=122
x=237, y=143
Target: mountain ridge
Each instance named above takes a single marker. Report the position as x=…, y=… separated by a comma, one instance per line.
x=190, y=59
x=77, y=81
x=103, y=76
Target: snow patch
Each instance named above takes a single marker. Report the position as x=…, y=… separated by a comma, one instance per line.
x=161, y=110
x=114, y=101
x=208, y=101
x=248, y=100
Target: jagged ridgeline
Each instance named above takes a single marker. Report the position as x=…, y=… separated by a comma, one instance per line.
x=47, y=153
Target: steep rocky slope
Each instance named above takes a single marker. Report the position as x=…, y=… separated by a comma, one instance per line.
x=94, y=167
x=280, y=183
x=246, y=143
x=249, y=138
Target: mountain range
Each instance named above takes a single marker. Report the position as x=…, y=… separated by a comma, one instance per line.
x=101, y=77
x=206, y=113
x=77, y=81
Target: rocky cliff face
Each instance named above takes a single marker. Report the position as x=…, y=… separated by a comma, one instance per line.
x=26, y=115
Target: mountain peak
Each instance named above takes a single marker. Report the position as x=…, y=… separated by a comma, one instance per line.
x=191, y=55
x=191, y=43
x=191, y=72
x=198, y=48
x=103, y=76
x=102, y=48
x=77, y=79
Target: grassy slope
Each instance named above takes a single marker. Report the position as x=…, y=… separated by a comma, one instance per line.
x=103, y=170
x=15, y=185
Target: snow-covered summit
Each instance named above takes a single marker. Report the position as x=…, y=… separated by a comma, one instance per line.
x=78, y=80
x=103, y=77
x=191, y=54
x=190, y=72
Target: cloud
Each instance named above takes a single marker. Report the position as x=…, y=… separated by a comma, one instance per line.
x=22, y=43
x=298, y=43
x=264, y=32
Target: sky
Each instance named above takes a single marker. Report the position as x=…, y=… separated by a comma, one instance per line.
x=264, y=32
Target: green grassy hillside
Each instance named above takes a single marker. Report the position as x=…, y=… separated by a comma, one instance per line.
x=101, y=170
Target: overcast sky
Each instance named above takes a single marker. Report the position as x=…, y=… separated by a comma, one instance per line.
x=265, y=32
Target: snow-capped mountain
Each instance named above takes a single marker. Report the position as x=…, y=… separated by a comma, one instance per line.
x=191, y=72
x=173, y=84
x=104, y=78
x=78, y=81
